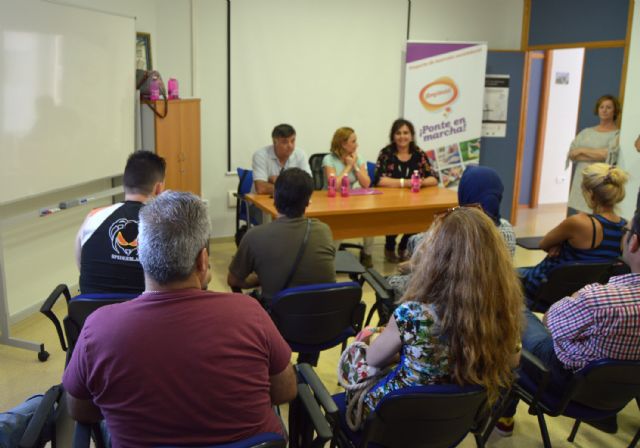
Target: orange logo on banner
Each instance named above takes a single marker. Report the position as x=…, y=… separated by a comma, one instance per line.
x=438, y=94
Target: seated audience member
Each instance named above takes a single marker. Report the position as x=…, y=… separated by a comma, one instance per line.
x=596, y=322
x=267, y=255
x=582, y=237
x=268, y=162
x=453, y=328
x=179, y=365
x=343, y=160
x=396, y=163
x=107, y=243
x=478, y=185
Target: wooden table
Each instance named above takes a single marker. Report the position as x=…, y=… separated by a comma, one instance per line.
x=393, y=212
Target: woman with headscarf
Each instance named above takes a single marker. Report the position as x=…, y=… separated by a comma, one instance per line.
x=478, y=185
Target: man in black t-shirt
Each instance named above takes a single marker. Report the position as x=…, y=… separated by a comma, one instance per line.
x=107, y=242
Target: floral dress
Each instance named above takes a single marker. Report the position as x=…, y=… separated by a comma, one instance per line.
x=424, y=356
x=388, y=165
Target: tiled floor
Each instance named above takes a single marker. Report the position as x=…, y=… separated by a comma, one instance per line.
x=21, y=375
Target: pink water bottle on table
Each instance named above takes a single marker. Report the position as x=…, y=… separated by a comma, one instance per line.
x=332, y=186
x=415, y=182
x=344, y=187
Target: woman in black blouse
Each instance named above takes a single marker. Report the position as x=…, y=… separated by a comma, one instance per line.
x=396, y=163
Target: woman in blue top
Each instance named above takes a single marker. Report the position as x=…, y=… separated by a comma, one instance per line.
x=582, y=237
x=344, y=160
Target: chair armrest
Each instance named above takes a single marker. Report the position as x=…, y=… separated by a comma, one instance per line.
x=541, y=371
x=318, y=420
x=379, y=284
x=47, y=310
x=310, y=377
x=82, y=436
x=32, y=436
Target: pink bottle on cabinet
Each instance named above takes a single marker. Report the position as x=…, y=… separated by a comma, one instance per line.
x=344, y=187
x=154, y=89
x=172, y=89
x=331, y=188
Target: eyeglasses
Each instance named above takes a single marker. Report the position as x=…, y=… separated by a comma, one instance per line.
x=443, y=214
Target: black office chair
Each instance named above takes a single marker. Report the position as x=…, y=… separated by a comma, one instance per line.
x=421, y=416
x=600, y=389
x=40, y=421
x=566, y=279
x=384, y=304
x=78, y=309
x=313, y=318
x=243, y=212
x=317, y=172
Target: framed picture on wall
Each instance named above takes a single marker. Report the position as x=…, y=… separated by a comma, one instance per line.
x=143, y=51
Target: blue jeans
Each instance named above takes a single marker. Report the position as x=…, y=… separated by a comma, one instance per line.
x=537, y=340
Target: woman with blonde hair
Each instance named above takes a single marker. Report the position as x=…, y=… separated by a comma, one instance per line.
x=593, y=237
x=344, y=160
x=460, y=319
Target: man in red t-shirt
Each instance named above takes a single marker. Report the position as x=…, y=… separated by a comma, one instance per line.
x=179, y=365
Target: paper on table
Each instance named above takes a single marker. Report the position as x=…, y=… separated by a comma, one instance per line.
x=363, y=191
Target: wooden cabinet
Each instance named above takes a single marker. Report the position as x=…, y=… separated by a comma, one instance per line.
x=176, y=138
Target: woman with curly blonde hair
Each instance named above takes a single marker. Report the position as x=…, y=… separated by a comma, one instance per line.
x=460, y=319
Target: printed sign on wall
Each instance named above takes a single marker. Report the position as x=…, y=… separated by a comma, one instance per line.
x=444, y=87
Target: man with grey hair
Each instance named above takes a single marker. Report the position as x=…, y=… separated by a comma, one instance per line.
x=179, y=365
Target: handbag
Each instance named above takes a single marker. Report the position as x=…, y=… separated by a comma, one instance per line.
x=144, y=78
x=357, y=378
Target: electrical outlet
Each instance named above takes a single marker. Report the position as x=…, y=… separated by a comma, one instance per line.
x=231, y=198
x=561, y=179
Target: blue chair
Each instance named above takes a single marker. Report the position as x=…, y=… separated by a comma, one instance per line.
x=243, y=211
x=313, y=318
x=78, y=309
x=371, y=170
x=83, y=434
x=421, y=416
x=600, y=389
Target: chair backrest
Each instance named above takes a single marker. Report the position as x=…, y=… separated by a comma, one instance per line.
x=245, y=181
x=566, y=279
x=318, y=316
x=371, y=171
x=606, y=384
x=80, y=307
x=315, y=163
x=426, y=416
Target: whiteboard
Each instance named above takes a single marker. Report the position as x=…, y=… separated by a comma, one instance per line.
x=67, y=84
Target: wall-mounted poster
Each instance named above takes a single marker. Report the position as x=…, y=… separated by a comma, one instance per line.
x=444, y=85
x=496, y=100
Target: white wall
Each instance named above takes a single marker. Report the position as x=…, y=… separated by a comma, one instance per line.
x=562, y=117
x=630, y=128
x=497, y=22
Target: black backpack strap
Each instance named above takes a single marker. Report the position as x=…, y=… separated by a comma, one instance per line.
x=294, y=268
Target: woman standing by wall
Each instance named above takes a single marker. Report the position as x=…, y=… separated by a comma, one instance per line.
x=596, y=144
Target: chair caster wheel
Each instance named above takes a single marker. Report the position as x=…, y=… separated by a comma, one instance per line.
x=43, y=355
